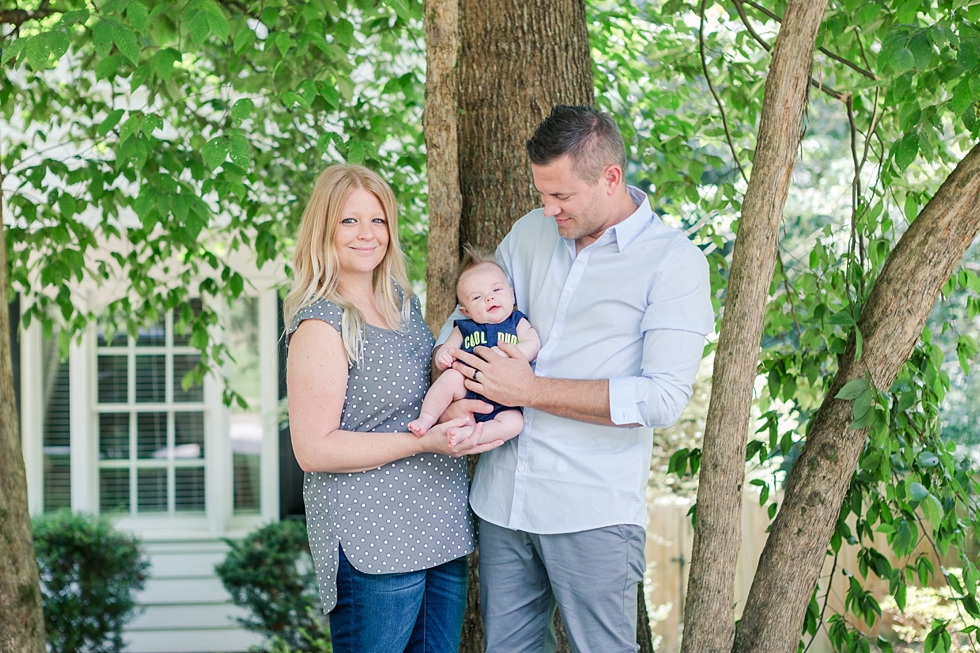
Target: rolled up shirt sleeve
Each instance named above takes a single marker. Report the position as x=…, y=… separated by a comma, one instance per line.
x=677, y=320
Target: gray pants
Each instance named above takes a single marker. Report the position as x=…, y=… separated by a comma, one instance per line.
x=590, y=575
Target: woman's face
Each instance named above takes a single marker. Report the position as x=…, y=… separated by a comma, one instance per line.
x=361, y=240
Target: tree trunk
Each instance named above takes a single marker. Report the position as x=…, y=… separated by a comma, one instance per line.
x=891, y=324
x=708, y=614
x=442, y=157
x=517, y=59
x=21, y=619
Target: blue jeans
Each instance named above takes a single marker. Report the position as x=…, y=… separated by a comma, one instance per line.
x=417, y=611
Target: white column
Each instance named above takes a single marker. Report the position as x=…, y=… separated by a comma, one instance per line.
x=218, y=465
x=83, y=379
x=269, y=392
x=32, y=415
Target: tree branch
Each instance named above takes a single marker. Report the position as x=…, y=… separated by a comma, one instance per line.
x=714, y=93
x=18, y=17
x=835, y=57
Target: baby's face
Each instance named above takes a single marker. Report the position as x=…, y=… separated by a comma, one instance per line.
x=485, y=295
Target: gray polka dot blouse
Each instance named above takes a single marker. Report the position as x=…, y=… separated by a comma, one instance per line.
x=408, y=515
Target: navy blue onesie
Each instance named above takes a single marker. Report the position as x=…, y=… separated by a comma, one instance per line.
x=488, y=335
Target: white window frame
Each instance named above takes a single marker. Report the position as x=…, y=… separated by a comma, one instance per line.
x=218, y=519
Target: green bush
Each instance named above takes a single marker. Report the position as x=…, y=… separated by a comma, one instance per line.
x=89, y=574
x=270, y=573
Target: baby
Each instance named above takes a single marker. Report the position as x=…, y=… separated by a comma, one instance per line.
x=486, y=298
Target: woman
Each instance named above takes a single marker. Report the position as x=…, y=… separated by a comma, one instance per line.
x=386, y=511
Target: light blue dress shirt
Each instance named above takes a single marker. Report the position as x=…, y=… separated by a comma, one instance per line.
x=633, y=307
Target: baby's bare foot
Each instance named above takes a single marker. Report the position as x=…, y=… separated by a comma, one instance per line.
x=418, y=427
x=459, y=434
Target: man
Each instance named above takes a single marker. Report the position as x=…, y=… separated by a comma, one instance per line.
x=622, y=305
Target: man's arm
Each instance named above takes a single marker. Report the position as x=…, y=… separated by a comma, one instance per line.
x=654, y=399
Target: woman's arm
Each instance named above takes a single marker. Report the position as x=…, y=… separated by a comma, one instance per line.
x=316, y=375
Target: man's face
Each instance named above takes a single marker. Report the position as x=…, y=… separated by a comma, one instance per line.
x=580, y=210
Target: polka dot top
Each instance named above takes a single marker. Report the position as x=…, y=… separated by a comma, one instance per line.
x=408, y=515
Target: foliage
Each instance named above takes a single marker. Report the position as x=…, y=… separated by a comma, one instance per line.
x=927, y=610
x=894, y=105
x=270, y=573
x=90, y=574
x=145, y=140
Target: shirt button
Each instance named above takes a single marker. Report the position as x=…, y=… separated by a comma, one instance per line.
x=520, y=468
x=568, y=289
x=554, y=334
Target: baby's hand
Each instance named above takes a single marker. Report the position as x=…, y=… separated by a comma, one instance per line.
x=444, y=361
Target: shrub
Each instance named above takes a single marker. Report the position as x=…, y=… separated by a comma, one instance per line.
x=89, y=574
x=270, y=573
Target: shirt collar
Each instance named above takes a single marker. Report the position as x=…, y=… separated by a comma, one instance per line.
x=626, y=231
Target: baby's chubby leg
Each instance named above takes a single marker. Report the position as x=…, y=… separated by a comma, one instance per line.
x=504, y=426
x=447, y=388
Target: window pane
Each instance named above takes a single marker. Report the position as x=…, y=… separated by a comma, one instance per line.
x=151, y=379
x=188, y=435
x=184, y=363
x=189, y=490
x=153, y=336
x=114, y=490
x=112, y=380
x=245, y=430
x=114, y=436
x=119, y=338
x=151, y=490
x=151, y=435
x=182, y=315
x=243, y=350
x=57, y=436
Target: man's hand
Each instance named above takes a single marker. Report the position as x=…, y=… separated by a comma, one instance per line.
x=465, y=408
x=507, y=380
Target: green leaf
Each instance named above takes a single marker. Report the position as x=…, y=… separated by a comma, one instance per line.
x=138, y=15
x=902, y=60
x=917, y=491
x=108, y=68
x=125, y=40
x=282, y=42
x=218, y=24
x=853, y=389
x=858, y=343
x=842, y=318
x=37, y=52
x=58, y=43
x=927, y=459
x=200, y=27
x=241, y=110
x=908, y=149
x=111, y=121
x=343, y=33
x=329, y=93
x=163, y=62
x=244, y=39
x=238, y=148
x=862, y=404
x=12, y=50
x=933, y=510
x=215, y=151
x=102, y=35
x=355, y=152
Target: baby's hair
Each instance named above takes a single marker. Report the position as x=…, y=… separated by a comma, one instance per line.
x=473, y=257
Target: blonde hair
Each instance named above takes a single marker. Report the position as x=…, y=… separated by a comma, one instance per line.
x=474, y=257
x=316, y=271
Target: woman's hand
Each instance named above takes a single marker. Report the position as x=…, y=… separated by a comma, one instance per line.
x=463, y=433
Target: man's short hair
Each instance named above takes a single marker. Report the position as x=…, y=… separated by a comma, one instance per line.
x=587, y=135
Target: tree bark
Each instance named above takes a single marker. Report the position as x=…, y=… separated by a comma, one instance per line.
x=21, y=618
x=442, y=157
x=891, y=323
x=708, y=613
x=517, y=59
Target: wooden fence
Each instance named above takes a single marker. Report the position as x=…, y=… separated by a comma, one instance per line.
x=668, y=552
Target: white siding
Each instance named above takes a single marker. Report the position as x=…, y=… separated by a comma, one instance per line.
x=184, y=607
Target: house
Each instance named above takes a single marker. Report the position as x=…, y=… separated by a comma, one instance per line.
x=112, y=431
